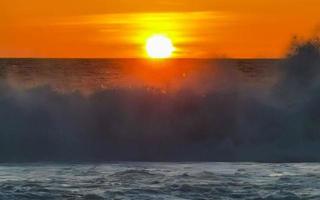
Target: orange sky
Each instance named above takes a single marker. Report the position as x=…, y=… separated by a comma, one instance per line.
x=119, y=28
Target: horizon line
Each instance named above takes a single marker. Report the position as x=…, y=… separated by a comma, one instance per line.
x=151, y=59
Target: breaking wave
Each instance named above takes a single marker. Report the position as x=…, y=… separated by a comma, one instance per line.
x=278, y=124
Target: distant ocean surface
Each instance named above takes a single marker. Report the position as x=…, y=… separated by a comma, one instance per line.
x=88, y=76
x=159, y=181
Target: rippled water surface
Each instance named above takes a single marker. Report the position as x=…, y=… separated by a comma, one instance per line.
x=160, y=181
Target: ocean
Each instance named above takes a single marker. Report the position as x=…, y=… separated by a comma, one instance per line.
x=88, y=76
x=88, y=110
x=131, y=180
x=151, y=129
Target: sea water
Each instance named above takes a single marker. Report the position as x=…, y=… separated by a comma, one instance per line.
x=75, y=129
x=141, y=180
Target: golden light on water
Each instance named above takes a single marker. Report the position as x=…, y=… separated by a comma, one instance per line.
x=159, y=46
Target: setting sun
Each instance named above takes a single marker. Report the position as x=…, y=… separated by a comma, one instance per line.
x=159, y=47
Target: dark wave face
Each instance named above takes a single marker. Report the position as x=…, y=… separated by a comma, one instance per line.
x=178, y=110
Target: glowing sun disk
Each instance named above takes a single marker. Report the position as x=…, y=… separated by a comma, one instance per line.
x=159, y=47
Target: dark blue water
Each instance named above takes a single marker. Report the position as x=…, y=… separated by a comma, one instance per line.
x=160, y=181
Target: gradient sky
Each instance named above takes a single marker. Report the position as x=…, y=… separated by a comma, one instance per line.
x=119, y=28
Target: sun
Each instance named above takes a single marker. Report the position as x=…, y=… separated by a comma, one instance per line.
x=159, y=46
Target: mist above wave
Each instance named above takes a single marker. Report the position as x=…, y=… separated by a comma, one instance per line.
x=222, y=124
